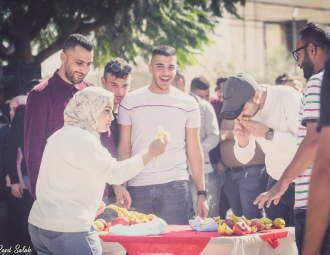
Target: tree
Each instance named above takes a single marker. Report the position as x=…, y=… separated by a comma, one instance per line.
x=124, y=28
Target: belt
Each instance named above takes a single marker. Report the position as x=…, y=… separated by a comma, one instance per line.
x=241, y=168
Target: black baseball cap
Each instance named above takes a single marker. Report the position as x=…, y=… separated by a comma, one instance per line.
x=237, y=90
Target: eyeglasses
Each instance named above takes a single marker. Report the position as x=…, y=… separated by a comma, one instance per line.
x=116, y=68
x=294, y=53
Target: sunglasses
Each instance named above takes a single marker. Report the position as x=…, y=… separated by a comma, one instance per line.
x=295, y=54
x=116, y=68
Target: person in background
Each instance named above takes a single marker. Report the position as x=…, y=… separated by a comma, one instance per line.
x=209, y=137
x=317, y=228
x=266, y=115
x=294, y=82
x=117, y=78
x=179, y=81
x=162, y=187
x=47, y=101
x=312, y=49
x=215, y=156
x=281, y=78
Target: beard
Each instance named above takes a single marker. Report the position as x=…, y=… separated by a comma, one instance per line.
x=160, y=86
x=69, y=74
x=307, y=66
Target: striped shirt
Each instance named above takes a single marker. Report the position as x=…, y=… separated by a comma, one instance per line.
x=309, y=112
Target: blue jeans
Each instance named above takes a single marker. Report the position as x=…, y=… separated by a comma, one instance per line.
x=170, y=201
x=299, y=223
x=242, y=186
x=65, y=243
x=285, y=208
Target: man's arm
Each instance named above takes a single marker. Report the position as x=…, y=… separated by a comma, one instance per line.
x=304, y=157
x=196, y=164
x=36, y=118
x=211, y=128
x=318, y=211
x=123, y=197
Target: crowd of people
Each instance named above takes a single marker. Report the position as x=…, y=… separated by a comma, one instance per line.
x=251, y=148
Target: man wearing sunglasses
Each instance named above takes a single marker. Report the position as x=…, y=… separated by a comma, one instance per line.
x=116, y=79
x=313, y=48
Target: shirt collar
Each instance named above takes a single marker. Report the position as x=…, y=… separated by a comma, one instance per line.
x=60, y=81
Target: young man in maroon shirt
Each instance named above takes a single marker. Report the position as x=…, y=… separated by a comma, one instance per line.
x=47, y=101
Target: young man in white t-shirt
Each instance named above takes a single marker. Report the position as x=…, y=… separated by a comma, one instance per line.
x=162, y=187
x=267, y=115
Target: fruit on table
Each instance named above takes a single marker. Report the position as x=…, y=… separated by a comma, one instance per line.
x=229, y=223
x=279, y=223
x=267, y=226
x=99, y=225
x=134, y=221
x=121, y=220
x=122, y=212
x=247, y=222
x=228, y=230
x=256, y=223
x=253, y=229
x=266, y=220
x=240, y=228
x=234, y=218
x=105, y=224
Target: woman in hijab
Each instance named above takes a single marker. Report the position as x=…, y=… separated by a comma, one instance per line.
x=73, y=172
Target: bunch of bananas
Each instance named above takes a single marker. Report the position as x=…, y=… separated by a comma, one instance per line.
x=132, y=216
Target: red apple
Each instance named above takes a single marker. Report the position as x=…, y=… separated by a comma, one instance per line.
x=240, y=228
x=229, y=223
x=257, y=224
x=134, y=221
x=120, y=220
x=103, y=222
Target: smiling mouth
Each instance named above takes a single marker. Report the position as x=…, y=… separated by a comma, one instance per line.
x=165, y=79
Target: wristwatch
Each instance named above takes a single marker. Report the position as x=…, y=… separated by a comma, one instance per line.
x=202, y=192
x=270, y=134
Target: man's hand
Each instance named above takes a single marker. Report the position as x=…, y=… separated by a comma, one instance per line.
x=274, y=193
x=17, y=190
x=101, y=209
x=220, y=167
x=202, y=207
x=123, y=198
x=256, y=128
x=241, y=132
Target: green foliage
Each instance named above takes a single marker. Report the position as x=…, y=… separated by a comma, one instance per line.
x=120, y=28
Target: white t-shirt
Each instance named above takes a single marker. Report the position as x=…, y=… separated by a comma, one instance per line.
x=280, y=113
x=309, y=112
x=145, y=111
x=73, y=172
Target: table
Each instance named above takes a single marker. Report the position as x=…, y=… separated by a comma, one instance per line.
x=183, y=240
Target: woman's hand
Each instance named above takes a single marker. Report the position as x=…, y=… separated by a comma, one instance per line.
x=158, y=146
x=17, y=190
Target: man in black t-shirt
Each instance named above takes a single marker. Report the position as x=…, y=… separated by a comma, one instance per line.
x=318, y=211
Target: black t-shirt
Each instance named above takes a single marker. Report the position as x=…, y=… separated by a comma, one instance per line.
x=325, y=97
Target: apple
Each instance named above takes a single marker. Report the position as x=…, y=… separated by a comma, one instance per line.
x=134, y=221
x=229, y=223
x=120, y=220
x=240, y=228
x=257, y=224
x=103, y=222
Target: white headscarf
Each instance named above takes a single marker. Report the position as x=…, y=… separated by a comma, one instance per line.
x=85, y=107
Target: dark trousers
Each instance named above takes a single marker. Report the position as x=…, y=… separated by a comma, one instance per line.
x=3, y=224
x=299, y=223
x=18, y=213
x=285, y=208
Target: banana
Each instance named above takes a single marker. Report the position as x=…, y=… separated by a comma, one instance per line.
x=126, y=213
x=234, y=218
x=150, y=216
x=114, y=207
x=137, y=215
x=162, y=132
x=247, y=222
x=228, y=230
x=253, y=229
x=221, y=229
x=217, y=220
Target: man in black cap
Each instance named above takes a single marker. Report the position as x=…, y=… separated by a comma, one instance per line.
x=266, y=115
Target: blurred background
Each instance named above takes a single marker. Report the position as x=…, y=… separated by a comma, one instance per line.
x=213, y=38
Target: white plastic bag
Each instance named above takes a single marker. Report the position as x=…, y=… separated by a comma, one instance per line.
x=207, y=225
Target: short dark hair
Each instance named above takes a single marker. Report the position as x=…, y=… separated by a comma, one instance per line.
x=77, y=39
x=164, y=50
x=220, y=80
x=200, y=83
x=281, y=78
x=121, y=74
x=31, y=84
x=317, y=34
x=178, y=76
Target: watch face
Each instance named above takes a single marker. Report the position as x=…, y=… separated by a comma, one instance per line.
x=269, y=135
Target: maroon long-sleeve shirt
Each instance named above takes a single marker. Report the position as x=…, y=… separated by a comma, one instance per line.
x=43, y=117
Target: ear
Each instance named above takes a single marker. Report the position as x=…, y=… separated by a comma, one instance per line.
x=256, y=95
x=312, y=49
x=103, y=82
x=181, y=83
x=150, y=68
x=63, y=57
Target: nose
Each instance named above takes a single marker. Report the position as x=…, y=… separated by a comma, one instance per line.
x=121, y=91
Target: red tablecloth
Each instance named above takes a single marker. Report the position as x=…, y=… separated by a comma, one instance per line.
x=181, y=240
